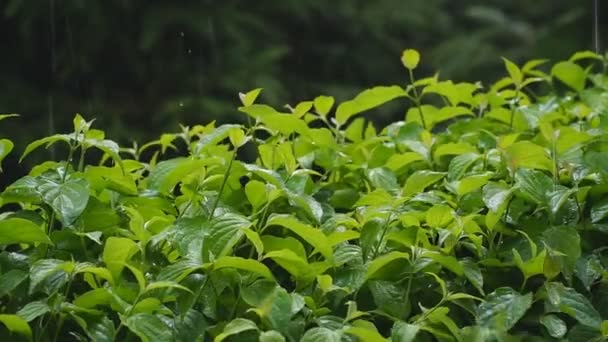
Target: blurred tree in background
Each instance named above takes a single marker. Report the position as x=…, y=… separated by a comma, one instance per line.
x=143, y=66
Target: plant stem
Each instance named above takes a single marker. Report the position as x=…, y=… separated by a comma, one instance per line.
x=224, y=181
x=384, y=229
x=417, y=98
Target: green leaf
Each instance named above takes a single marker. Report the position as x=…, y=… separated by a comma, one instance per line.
x=48, y=141
x=68, y=199
x=100, y=329
x=320, y=334
x=503, y=308
x=249, y=265
x=410, y=58
x=398, y=161
x=460, y=164
x=588, y=269
x=564, y=299
x=555, y=326
x=566, y=240
x=249, y=98
x=384, y=294
x=323, y=104
x=469, y=184
x=149, y=327
x=525, y=154
x=376, y=265
x=191, y=327
x=213, y=138
x=286, y=124
x=382, y=177
x=447, y=261
x=6, y=116
x=496, y=196
x=18, y=230
x=236, y=326
x=33, y=310
x=166, y=174
x=420, y=180
x=570, y=74
x=453, y=149
x=368, y=99
x=514, y=72
x=404, y=332
x=364, y=334
x=584, y=55
x=17, y=325
x=6, y=146
x=237, y=137
x=599, y=210
x=533, y=185
x=116, y=252
x=50, y=274
x=222, y=234
x=256, y=193
x=313, y=236
x=93, y=298
x=439, y=216
x=165, y=284
x=271, y=336
x=10, y=280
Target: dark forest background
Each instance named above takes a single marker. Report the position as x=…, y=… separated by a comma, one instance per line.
x=143, y=66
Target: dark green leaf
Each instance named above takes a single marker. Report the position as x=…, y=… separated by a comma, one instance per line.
x=503, y=308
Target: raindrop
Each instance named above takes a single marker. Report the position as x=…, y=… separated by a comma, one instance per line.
x=181, y=33
x=189, y=51
x=181, y=104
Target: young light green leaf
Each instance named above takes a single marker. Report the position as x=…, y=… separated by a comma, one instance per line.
x=410, y=58
x=570, y=74
x=236, y=326
x=365, y=334
x=249, y=98
x=116, y=252
x=323, y=104
x=6, y=116
x=439, y=216
x=376, y=265
x=6, y=146
x=249, y=265
x=514, y=72
x=529, y=155
x=313, y=236
x=17, y=325
x=368, y=99
x=48, y=141
x=420, y=180
x=237, y=137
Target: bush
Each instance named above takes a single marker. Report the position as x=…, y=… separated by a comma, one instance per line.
x=482, y=216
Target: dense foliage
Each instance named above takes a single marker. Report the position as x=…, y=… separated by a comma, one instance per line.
x=482, y=216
